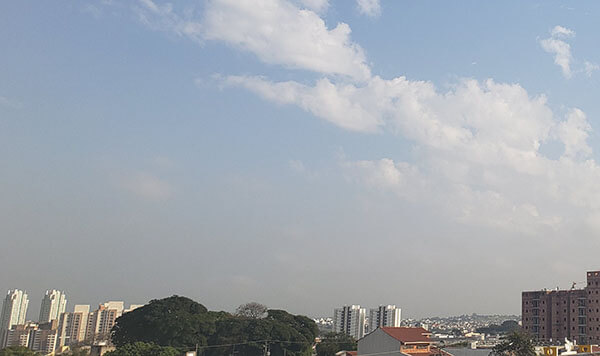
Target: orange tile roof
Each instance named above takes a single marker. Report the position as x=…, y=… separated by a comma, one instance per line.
x=408, y=335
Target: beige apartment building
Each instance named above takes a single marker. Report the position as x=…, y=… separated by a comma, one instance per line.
x=73, y=326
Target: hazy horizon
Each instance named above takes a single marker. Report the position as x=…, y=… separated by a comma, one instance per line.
x=304, y=154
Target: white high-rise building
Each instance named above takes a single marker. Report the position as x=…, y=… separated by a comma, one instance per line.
x=385, y=315
x=14, y=311
x=54, y=304
x=350, y=320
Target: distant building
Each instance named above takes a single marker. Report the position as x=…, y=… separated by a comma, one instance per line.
x=18, y=335
x=350, y=320
x=72, y=326
x=388, y=341
x=14, y=310
x=385, y=315
x=101, y=321
x=45, y=338
x=101, y=349
x=557, y=314
x=42, y=338
x=54, y=303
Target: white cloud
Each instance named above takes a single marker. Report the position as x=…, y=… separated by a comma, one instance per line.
x=369, y=7
x=164, y=18
x=276, y=31
x=316, y=5
x=326, y=100
x=590, y=68
x=280, y=33
x=562, y=32
x=574, y=133
x=148, y=186
x=477, y=147
x=560, y=49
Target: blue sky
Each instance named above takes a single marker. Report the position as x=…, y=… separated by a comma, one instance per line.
x=440, y=156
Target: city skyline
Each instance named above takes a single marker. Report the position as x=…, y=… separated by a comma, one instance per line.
x=303, y=154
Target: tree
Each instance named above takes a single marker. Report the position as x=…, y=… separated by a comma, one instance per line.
x=284, y=333
x=506, y=327
x=334, y=342
x=175, y=321
x=144, y=349
x=18, y=351
x=182, y=323
x=515, y=344
x=252, y=310
x=77, y=351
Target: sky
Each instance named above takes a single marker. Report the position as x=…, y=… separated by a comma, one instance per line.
x=304, y=154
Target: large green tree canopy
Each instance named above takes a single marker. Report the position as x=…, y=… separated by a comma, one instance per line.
x=174, y=321
x=184, y=324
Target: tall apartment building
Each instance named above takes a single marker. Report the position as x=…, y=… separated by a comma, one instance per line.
x=14, y=311
x=72, y=326
x=552, y=315
x=384, y=316
x=101, y=321
x=54, y=303
x=350, y=320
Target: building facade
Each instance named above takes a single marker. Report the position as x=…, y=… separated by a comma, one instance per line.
x=41, y=338
x=14, y=311
x=385, y=315
x=350, y=320
x=552, y=315
x=388, y=341
x=54, y=303
x=73, y=326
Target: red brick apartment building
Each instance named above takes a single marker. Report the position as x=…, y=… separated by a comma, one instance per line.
x=552, y=315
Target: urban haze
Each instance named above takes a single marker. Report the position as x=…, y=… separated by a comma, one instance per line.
x=304, y=154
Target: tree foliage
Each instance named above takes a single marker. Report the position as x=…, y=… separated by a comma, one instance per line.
x=182, y=323
x=515, y=344
x=144, y=349
x=175, y=321
x=77, y=351
x=506, y=327
x=18, y=351
x=288, y=334
x=251, y=310
x=334, y=342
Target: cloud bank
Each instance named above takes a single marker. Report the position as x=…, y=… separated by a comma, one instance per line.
x=477, y=148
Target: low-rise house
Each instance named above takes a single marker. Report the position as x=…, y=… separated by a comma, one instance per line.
x=389, y=341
